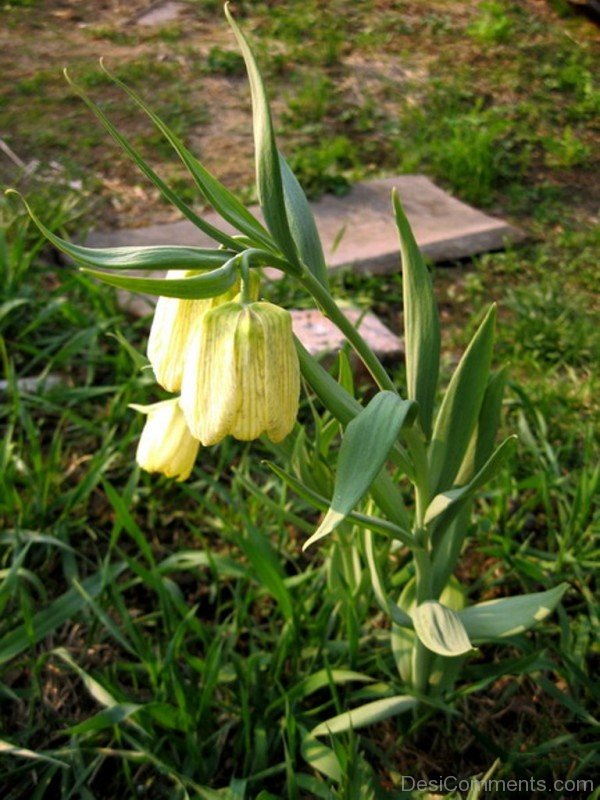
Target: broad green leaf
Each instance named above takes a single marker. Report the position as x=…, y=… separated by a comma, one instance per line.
x=482, y=441
x=207, y=284
x=167, y=193
x=56, y=614
x=509, y=616
x=447, y=550
x=365, y=715
x=421, y=322
x=458, y=413
x=365, y=448
x=320, y=757
x=450, y=501
x=268, y=171
x=224, y=202
x=440, y=629
x=302, y=224
x=344, y=408
x=365, y=521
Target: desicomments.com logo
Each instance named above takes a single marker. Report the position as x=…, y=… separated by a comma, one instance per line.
x=568, y=788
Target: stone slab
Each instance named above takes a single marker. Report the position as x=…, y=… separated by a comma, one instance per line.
x=358, y=230
x=160, y=13
x=319, y=335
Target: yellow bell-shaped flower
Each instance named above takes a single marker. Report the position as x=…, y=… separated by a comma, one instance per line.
x=166, y=444
x=175, y=321
x=242, y=376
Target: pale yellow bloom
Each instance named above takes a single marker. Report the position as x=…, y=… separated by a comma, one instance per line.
x=242, y=376
x=166, y=444
x=175, y=321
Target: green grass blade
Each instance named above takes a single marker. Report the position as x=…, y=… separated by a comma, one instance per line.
x=220, y=198
x=268, y=171
x=421, y=322
x=459, y=411
x=365, y=715
x=56, y=614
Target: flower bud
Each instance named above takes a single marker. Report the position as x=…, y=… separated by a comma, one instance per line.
x=166, y=444
x=175, y=321
x=242, y=377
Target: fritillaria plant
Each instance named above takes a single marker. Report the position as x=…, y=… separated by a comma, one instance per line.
x=233, y=365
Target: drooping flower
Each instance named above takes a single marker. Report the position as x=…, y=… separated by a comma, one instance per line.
x=175, y=321
x=166, y=444
x=242, y=376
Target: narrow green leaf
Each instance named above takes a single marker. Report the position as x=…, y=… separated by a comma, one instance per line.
x=167, y=193
x=365, y=448
x=458, y=413
x=365, y=715
x=421, y=322
x=302, y=224
x=385, y=603
x=208, y=284
x=224, y=202
x=344, y=408
x=482, y=441
x=106, y=718
x=325, y=677
x=449, y=502
x=56, y=614
x=157, y=257
x=268, y=171
x=9, y=749
x=440, y=629
x=509, y=616
x=260, y=552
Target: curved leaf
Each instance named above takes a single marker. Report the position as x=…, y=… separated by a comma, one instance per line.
x=209, y=284
x=220, y=198
x=509, y=616
x=365, y=715
x=458, y=413
x=365, y=448
x=440, y=629
x=268, y=171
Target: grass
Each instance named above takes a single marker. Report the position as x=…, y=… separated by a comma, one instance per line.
x=168, y=640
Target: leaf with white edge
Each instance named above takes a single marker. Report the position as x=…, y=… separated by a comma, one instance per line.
x=508, y=616
x=447, y=501
x=9, y=749
x=224, y=202
x=268, y=171
x=365, y=715
x=302, y=224
x=440, y=629
x=167, y=193
x=366, y=521
x=365, y=448
x=459, y=411
x=320, y=757
x=421, y=322
x=207, y=284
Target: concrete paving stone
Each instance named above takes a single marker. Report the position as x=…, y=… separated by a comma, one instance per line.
x=445, y=228
x=319, y=335
x=160, y=13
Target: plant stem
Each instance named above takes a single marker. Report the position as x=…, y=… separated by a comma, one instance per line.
x=331, y=310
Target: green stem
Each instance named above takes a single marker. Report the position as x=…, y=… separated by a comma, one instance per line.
x=422, y=657
x=332, y=311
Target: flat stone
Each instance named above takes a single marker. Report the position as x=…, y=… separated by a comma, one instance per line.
x=358, y=230
x=319, y=335
x=159, y=13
